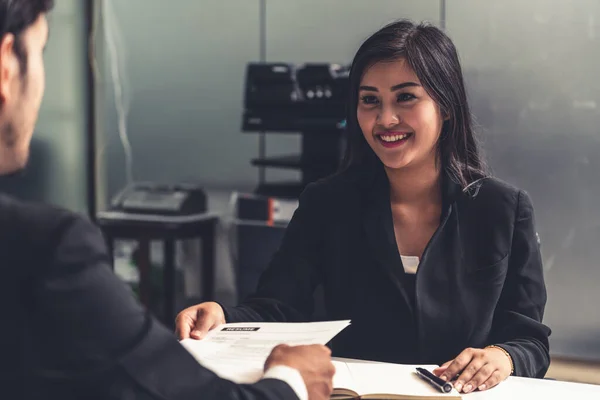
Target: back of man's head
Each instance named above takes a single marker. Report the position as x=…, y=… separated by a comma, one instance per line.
x=16, y=16
x=23, y=36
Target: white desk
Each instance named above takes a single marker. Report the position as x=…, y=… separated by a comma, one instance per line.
x=515, y=388
x=526, y=389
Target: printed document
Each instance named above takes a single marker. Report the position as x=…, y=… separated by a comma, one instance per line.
x=238, y=351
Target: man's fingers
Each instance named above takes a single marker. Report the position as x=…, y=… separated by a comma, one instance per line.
x=327, y=389
x=280, y=347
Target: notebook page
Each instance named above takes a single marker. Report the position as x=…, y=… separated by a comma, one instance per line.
x=342, y=378
x=392, y=379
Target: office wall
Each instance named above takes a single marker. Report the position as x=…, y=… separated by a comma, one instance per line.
x=57, y=165
x=183, y=66
x=62, y=125
x=532, y=72
x=183, y=69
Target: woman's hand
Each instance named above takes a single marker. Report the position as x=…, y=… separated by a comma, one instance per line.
x=196, y=321
x=478, y=368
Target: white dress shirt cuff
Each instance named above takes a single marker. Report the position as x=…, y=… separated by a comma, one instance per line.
x=291, y=376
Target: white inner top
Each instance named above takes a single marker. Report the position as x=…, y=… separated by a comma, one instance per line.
x=410, y=263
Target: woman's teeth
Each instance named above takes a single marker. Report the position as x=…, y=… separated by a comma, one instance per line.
x=393, y=138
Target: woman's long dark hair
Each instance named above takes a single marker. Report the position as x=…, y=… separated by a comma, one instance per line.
x=433, y=57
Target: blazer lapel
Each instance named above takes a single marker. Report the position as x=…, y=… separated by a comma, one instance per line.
x=438, y=283
x=379, y=231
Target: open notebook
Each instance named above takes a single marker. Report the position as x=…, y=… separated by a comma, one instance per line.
x=380, y=381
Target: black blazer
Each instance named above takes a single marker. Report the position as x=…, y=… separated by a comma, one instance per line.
x=70, y=329
x=479, y=281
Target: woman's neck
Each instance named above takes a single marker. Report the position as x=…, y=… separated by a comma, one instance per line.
x=416, y=186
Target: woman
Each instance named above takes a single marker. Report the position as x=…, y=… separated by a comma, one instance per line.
x=431, y=259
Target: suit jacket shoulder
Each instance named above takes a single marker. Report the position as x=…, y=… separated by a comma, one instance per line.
x=492, y=190
x=97, y=340
x=494, y=201
x=31, y=231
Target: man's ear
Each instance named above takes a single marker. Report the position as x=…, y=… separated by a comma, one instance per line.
x=9, y=66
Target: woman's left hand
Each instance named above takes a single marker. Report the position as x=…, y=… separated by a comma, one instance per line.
x=479, y=369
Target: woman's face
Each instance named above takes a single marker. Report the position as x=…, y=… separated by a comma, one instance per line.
x=398, y=119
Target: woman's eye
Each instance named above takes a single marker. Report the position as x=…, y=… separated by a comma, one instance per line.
x=369, y=100
x=405, y=97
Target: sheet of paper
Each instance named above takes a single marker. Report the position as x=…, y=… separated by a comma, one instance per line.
x=238, y=351
x=383, y=378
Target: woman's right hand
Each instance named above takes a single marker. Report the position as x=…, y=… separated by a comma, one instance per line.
x=195, y=322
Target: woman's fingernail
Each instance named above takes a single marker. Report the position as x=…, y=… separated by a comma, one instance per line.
x=482, y=387
x=444, y=378
x=458, y=386
x=468, y=388
x=197, y=334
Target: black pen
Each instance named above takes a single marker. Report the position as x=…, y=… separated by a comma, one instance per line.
x=438, y=383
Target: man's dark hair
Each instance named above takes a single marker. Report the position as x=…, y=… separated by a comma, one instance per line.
x=16, y=16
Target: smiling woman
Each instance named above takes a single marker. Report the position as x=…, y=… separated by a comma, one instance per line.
x=389, y=114
x=407, y=74
x=434, y=261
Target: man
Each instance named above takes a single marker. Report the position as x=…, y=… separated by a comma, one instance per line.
x=70, y=329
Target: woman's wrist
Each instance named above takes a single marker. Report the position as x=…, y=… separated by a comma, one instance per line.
x=506, y=353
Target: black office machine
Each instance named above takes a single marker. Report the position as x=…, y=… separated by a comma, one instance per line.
x=323, y=87
x=157, y=199
x=309, y=99
x=283, y=97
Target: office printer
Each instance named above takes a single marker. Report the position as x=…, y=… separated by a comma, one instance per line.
x=280, y=96
x=323, y=88
x=271, y=86
x=160, y=199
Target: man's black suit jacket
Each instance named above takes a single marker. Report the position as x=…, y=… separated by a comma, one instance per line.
x=70, y=329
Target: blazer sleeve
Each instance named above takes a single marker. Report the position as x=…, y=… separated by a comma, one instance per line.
x=285, y=290
x=95, y=339
x=517, y=325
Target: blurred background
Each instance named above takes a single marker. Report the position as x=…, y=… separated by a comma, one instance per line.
x=155, y=91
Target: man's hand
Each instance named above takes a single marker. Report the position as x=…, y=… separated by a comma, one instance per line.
x=314, y=364
x=478, y=368
x=196, y=321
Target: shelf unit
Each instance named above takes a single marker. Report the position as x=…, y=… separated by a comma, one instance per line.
x=320, y=155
